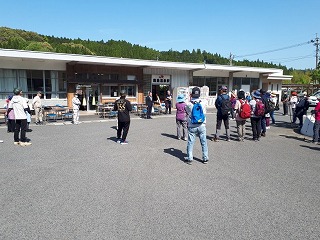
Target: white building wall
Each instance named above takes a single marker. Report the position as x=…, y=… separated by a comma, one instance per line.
x=179, y=78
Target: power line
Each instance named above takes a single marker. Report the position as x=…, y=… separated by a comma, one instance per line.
x=288, y=59
x=269, y=51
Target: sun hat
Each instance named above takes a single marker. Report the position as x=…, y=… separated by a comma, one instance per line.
x=256, y=94
x=180, y=98
x=195, y=92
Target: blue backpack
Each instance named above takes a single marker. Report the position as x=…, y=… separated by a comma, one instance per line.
x=197, y=115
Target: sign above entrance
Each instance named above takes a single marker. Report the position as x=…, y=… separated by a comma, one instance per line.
x=160, y=79
x=83, y=86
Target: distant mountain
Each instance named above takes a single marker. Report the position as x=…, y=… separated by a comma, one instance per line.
x=27, y=40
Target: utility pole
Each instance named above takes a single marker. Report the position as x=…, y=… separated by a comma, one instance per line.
x=316, y=43
x=231, y=58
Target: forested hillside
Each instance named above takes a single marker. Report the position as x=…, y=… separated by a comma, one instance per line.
x=26, y=40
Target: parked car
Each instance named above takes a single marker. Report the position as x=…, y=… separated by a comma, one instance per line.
x=313, y=98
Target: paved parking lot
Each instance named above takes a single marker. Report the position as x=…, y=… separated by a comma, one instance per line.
x=75, y=182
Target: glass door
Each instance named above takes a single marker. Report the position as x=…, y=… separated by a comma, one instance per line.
x=92, y=95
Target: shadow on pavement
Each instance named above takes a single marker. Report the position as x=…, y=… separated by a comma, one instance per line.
x=179, y=154
x=175, y=152
x=303, y=139
x=312, y=148
x=169, y=135
x=112, y=139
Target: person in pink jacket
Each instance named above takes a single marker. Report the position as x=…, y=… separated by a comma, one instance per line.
x=316, y=126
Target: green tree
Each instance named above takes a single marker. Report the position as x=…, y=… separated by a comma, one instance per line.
x=39, y=46
x=73, y=48
x=315, y=76
x=300, y=77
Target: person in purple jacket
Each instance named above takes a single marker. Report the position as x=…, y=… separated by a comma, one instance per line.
x=181, y=117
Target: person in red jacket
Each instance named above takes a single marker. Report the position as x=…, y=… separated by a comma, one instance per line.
x=316, y=126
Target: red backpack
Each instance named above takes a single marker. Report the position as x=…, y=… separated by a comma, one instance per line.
x=245, y=109
x=260, y=108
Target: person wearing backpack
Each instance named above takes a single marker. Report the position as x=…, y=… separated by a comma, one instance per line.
x=243, y=112
x=302, y=107
x=265, y=100
x=196, y=110
x=224, y=107
x=181, y=117
x=257, y=111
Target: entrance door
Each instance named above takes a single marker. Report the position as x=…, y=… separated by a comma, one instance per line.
x=92, y=95
x=161, y=90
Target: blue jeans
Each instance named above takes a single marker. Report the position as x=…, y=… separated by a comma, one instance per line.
x=272, y=117
x=316, y=128
x=192, y=134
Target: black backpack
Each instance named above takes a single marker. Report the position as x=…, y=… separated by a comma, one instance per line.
x=226, y=106
x=269, y=105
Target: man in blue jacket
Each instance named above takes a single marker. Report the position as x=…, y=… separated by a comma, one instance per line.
x=223, y=106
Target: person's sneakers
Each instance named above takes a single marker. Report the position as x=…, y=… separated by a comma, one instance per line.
x=124, y=142
x=184, y=139
x=204, y=161
x=16, y=143
x=263, y=134
x=178, y=138
x=118, y=140
x=24, y=144
x=316, y=143
x=187, y=161
x=228, y=139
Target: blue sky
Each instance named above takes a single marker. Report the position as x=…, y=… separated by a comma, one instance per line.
x=240, y=27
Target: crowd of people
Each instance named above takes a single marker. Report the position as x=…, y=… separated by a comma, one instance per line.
x=257, y=107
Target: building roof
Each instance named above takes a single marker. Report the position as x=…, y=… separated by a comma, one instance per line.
x=59, y=60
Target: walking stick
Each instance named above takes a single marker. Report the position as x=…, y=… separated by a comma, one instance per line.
x=290, y=110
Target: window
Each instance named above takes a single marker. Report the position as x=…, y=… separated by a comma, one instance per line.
x=114, y=90
x=130, y=90
x=211, y=82
x=238, y=83
x=131, y=77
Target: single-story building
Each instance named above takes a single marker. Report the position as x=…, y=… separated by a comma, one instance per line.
x=99, y=79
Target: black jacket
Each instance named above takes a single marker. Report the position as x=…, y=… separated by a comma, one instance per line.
x=123, y=106
x=149, y=101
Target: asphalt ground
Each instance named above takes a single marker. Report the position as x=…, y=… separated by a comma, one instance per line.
x=76, y=182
